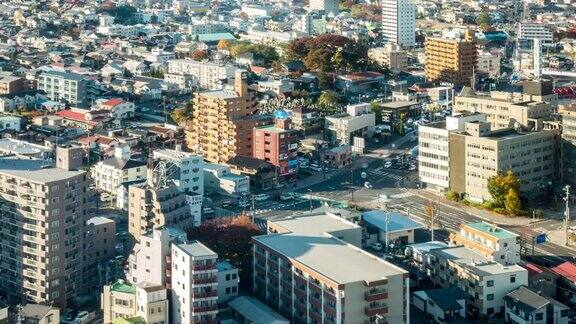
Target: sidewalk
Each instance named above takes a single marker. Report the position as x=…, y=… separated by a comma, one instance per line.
x=485, y=215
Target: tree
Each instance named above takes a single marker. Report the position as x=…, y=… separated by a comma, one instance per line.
x=500, y=185
x=231, y=238
x=180, y=115
x=484, y=19
x=512, y=202
x=224, y=44
x=199, y=55
x=329, y=101
x=430, y=209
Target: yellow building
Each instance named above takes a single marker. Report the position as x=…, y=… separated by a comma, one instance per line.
x=451, y=59
x=222, y=122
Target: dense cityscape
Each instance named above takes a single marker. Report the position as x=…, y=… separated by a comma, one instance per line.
x=287, y=161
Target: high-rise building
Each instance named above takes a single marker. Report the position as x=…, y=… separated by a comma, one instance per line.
x=328, y=6
x=277, y=144
x=43, y=213
x=399, y=22
x=222, y=122
x=451, y=59
x=568, y=144
x=194, y=283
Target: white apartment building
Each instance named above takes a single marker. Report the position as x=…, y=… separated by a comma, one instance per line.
x=152, y=303
x=194, y=283
x=533, y=30
x=358, y=121
x=188, y=174
x=485, y=281
x=217, y=177
x=488, y=64
x=72, y=88
x=148, y=259
x=227, y=281
x=206, y=75
x=118, y=108
x=399, y=22
x=328, y=6
x=493, y=242
x=109, y=174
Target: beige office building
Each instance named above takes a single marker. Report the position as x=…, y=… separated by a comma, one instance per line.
x=451, y=59
x=504, y=109
x=390, y=56
x=43, y=213
x=222, y=122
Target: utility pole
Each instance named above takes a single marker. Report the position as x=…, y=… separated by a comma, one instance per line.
x=351, y=181
x=567, y=212
x=430, y=209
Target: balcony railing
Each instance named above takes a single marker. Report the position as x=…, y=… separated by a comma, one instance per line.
x=201, y=281
x=204, y=267
x=375, y=310
x=207, y=294
x=205, y=309
x=375, y=295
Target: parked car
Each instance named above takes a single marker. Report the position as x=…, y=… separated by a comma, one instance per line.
x=367, y=185
x=261, y=197
x=376, y=246
x=315, y=167
x=286, y=196
x=388, y=165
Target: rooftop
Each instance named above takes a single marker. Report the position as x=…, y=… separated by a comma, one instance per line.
x=473, y=261
x=352, y=264
x=396, y=221
x=224, y=266
x=35, y=170
x=427, y=246
x=35, y=311
x=99, y=220
x=255, y=311
x=123, y=287
x=196, y=249
x=492, y=230
x=13, y=146
x=315, y=224
x=528, y=298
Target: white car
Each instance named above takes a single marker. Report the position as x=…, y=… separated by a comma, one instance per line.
x=261, y=197
x=376, y=246
x=367, y=185
x=315, y=167
x=388, y=165
x=286, y=196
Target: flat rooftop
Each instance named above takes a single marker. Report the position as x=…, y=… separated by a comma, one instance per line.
x=99, y=220
x=175, y=154
x=397, y=222
x=35, y=170
x=315, y=224
x=13, y=146
x=492, y=230
x=331, y=257
x=196, y=249
x=475, y=262
x=255, y=311
x=222, y=94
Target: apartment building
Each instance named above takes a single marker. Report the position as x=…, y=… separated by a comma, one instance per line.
x=277, y=144
x=73, y=88
x=222, y=122
x=534, y=30
x=187, y=173
x=146, y=302
x=193, y=280
x=358, y=121
x=399, y=22
x=485, y=281
x=463, y=152
x=493, y=242
x=328, y=6
x=111, y=173
x=101, y=234
x=505, y=109
x=43, y=217
x=568, y=114
x=205, y=75
x=390, y=56
x=524, y=306
x=153, y=206
x=451, y=59
x=488, y=64
x=228, y=280
x=294, y=274
x=12, y=84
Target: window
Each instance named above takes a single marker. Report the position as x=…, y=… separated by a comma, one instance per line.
x=512, y=279
x=227, y=290
x=539, y=316
x=431, y=303
x=227, y=277
x=564, y=312
x=490, y=296
x=490, y=283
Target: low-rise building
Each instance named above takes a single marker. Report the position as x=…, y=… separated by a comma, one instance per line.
x=152, y=303
x=358, y=121
x=39, y=314
x=493, y=242
x=188, y=172
x=444, y=305
x=145, y=301
x=277, y=144
x=394, y=226
x=247, y=309
x=524, y=306
x=227, y=281
x=109, y=174
x=101, y=234
x=390, y=56
x=219, y=178
x=337, y=157
x=263, y=175
x=486, y=282
x=488, y=64
x=118, y=300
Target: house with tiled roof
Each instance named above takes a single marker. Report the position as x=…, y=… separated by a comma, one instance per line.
x=118, y=108
x=566, y=282
x=111, y=173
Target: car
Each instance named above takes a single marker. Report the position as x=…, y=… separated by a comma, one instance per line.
x=71, y=315
x=261, y=197
x=287, y=196
x=367, y=185
x=388, y=165
x=376, y=246
x=315, y=167
x=412, y=167
x=227, y=203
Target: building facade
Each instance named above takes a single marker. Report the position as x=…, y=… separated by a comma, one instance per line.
x=205, y=75
x=277, y=144
x=493, y=242
x=194, y=283
x=188, y=175
x=399, y=22
x=451, y=60
x=75, y=89
x=328, y=6
x=222, y=122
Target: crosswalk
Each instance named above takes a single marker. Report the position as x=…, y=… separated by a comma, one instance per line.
x=381, y=172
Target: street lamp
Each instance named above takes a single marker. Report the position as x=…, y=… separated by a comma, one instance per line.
x=567, y=211
x=385, y=199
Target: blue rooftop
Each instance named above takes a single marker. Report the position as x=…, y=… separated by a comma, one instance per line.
x=396, y=221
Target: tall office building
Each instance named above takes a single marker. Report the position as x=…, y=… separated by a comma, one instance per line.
x=222, y=122
x=43, y=213
x=451, y=59
x=328, y=6
x=399, y=22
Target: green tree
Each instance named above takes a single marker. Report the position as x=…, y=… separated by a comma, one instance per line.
x=484, y=19
x=377, y=110
x=329, y=101
x=500, y=185
x=180, y=115
x=512, y=202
